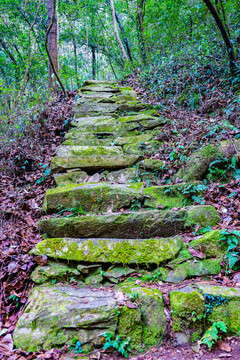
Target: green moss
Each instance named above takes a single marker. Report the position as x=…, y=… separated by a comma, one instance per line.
x=185, y=303
x=130, y=325
x=114, y=251
x=209, y=244
x=202, y=215
x=209, y=151
x=77, y=150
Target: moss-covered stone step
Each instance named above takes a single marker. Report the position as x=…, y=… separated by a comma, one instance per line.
x=71, y=177
x=56, y=315
x=142, y=224
x=77, y=150
x=189, y=305
x=102, y=197
x=114, y=251
x=108, y=127
x=93, y=120
x=109, y=141
x=93, y=163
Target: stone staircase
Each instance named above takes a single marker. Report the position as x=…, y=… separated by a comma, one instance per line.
x=112, y=227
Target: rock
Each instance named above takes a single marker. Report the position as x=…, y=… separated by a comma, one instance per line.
x=123, y=176
x=150, y=302
x=72, y=177
x=168, y=196
x=93, y=120
x=202, y=215
x=64, y=150
x=87, y=269
x=95, y=198
x=55, y=315
x=152, y=164
x=150, y=147
x=93, y=163
x=198, y=164
x=133, y=140
x=115, y=251
x=79, y=135
x=141, y=224
x=209, y=244
x=54, y=271
x=228, y=312
x=190, y=269
x=130, y=326
x=95, y=277
x=89, y=142
x=115, y=273
x=187, y=307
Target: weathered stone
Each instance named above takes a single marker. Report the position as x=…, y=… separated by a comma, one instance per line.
x=198, y=164
x=140, y=224
x=202, y=215
x=64, y=150
x=55, y=315
x=228, y=312
x=115, y=251
x=150, y=148
x=90, y=142
x=133, y=140
x=79, y=135
x=115, y=273
x=209, y=244
x=54, y=271
x=108, y=128
x=190, y=269
x=151, y=305
x=187, y=307
x=99, y=197
x=130, y=326
x=72, y=177
x=123, y=176
x=152, y=164
x=93, y=163
x=95, y=277
x=87, y=269
x=167, y=196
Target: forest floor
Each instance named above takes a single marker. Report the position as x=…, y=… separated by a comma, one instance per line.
x=26, y=176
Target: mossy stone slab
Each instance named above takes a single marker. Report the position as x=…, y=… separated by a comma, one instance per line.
x=90, y=142
x=100, y=87
x=150, y=148
x=202, y=215
x=167, y=196
x=72, y=177
x=152, y=164
x=93, y=120
x=228, y=312
x=123, y=176
x=79, y=135
x=77, y=150
x=102, y=197
x=55, y=271
x=187, y=304
x=209, y=244
x=90, y=107
x=55, y=315
x=93, y=163
x=142, y=224
x=133, y=140
x=130, y=326
x=115, y=251
x=137, y=117
x=150, y=302
x=190, y=269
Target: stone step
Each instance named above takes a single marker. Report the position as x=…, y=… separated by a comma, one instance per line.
x=91, y=120
x=57, y=315
x=90, y=142
x=142, y=224
x=114, y=251
x=77, y=150
x=108, y=127
x=97, y=198
x=93, y=163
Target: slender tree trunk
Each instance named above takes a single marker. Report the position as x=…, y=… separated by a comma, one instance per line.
x=226, y=39
x=93, y=62
x=75, y=61
x=139, y=19
x=52, y=45
x=116, y=32
x=125, y=39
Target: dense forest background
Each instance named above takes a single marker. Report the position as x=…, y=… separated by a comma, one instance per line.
x=174, y=47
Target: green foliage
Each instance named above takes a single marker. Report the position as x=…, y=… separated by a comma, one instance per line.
x=76, y=346
x=118, y=343
x=221, y=169
x=214, y=333
x=15, y=299
x=212, y=301
x=231, y=238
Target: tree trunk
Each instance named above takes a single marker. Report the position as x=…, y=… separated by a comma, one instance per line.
x=139, y=19
x=75, y=61
x=116, y=31
x=93, y=62
x=226, y=39
x=125, y=39
x=52, y=46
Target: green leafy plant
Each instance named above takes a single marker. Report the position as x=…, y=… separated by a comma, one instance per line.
x=118, y=343
x=231, y=238
x=214, y=333
x=76, y=346
x=16, y=299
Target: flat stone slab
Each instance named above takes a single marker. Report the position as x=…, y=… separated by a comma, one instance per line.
x=55, y=315
x=94, y=162
x=77, y=150
x=97, y=197
x=91, y=120
x=132, y=225
x=115, y=251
